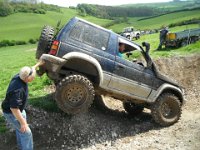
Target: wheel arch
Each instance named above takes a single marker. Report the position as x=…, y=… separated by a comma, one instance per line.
x=85, y=64
x=175, y=92
x=167, y=88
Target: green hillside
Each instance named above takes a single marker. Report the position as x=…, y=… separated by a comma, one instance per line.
x=171, y=6
x=157, y=22
x=24, y=26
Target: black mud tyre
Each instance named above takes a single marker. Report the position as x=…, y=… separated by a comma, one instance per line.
x=166, y=110
x=74, y=94
x=133, y=109
x=137, y=37
x=45, y=41
x=128, y=37
x=184, y=43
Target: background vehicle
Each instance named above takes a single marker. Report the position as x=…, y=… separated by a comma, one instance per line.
x=83, y=61
x=182, y=38
x=131, y=33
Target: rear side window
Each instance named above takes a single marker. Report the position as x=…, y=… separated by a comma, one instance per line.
x=90, y=35
x=76, y=32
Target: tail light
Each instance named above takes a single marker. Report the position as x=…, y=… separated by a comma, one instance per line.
x=54, y=47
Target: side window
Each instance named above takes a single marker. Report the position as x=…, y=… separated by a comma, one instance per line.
x=76, y=32
x=90, y=35
x=101, y=39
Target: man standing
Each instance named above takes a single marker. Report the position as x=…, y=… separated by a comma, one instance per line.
x=163, y=34
x=14, y=104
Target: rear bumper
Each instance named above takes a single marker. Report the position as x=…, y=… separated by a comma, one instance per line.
x=52, y=63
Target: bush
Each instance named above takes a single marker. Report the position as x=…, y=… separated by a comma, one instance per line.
x=8, y=7
x=5, y=43
x=32, y=41
x=12, y=43
x=21, y=42
x=39, y=11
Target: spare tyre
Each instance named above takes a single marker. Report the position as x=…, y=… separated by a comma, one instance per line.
x=45, y=41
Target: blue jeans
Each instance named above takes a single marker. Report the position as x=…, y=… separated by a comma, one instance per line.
x=24, y=140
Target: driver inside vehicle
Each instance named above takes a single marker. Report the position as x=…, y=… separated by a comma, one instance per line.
x=121, y=49
x=130, y=50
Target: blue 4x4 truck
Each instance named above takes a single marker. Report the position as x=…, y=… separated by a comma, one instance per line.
x=83, y=61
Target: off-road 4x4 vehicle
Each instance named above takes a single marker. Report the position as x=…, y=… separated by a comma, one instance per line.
x=131, y=33
x=83, y=61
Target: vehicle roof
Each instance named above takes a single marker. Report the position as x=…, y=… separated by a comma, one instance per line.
x=76, y=18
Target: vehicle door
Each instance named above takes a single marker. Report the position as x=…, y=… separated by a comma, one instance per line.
x=141, y=77
x=131, y=78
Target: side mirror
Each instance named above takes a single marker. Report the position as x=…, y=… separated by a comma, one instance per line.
x=147, y=46
x=147, y=56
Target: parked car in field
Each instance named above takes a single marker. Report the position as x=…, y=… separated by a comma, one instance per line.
x=83, y=61
x=131, y=33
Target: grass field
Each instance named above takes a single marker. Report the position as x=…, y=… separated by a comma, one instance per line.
x=24, y=26
x=171, y=4
x=12, y=59
x=158, y=21
x=167, y=5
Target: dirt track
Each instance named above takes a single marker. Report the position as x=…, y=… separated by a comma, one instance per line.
x=114, y=129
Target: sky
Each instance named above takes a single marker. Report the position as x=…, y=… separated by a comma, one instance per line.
x=66, y=3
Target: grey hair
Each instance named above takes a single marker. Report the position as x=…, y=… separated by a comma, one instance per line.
x=26, y=72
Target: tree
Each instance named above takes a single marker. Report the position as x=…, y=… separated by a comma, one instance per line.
x=5, y=8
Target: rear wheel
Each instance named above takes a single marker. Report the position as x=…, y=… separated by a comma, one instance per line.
x=184, y=43
x=166, y=110
x=45, y=41
x=74, y=94
x=132, y=108
x=194, y=39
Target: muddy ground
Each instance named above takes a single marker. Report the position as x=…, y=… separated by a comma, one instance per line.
x=112, y=128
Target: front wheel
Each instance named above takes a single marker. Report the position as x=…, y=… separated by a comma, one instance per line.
x=128, y=37
x=74, y=94
x=166, y=110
